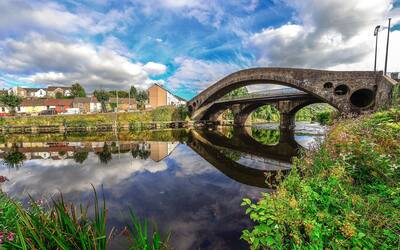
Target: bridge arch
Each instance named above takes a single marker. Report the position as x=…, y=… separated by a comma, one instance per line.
x=340, y=89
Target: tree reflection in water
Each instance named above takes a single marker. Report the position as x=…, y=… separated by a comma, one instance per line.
x=105, y=155
x=80, y=156
x=139, y=151
x=266, y=136
x=13, y=158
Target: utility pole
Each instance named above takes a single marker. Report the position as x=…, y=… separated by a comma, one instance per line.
x=129, y=100
x=387, y=47
x=376, y=32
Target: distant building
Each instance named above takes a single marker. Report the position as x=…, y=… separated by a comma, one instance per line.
x=36, y=92
x=32, y=106
x=53, y=90
x=83, y=103
x=95, y=105
x=59, y=105
x=159, y=96
x=18, y=91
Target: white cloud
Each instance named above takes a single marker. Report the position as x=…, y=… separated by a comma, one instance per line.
x=55, y=61
x=50, y=16
x=198, y=74
x=155, y=68
x=329, y=34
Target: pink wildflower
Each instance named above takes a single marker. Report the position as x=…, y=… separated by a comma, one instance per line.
x=10, y=236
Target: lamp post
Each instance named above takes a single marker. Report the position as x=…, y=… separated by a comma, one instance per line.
x=376, y=32
x=387, y=46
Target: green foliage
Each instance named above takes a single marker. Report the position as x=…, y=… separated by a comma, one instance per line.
x=345, y=195
x=77, y=90
x=142, y=97
x=59, y=95
x=13, y=158
x=267, y=112
x=396, y=95
x=323, y=117
x=121, y=94
x=11, y=101
x=242, y=91
x=320, y=112
x=80, y=156
x=65, y=226
x=102, y=96
x=138, y=153
x=180, y=113
x=264, y=136
x=105, y=155
x=133, y=91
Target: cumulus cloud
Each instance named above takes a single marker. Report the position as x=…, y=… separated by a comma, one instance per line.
x=41, y=60
x=330, y=34
x=50, y=16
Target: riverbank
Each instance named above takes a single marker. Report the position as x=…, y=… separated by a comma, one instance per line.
x=345, y=194
x=161, y=114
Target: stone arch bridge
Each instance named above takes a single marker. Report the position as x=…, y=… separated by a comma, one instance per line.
x=347, y=91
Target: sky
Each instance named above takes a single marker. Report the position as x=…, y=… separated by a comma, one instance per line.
x=186, y=45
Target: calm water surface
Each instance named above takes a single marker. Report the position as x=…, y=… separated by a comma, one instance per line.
x=189, y=182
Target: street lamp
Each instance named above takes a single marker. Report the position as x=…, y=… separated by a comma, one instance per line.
x=376, y=32
x=387, y=47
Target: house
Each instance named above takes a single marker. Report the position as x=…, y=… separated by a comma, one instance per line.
x=59, y=105
x=32, y=106
x=95, y=105
x=160, y=96
x=4, y=110
x=18, y=91
x=82, y=103
x=35, y=92
x=53, y=90
x=124, y=104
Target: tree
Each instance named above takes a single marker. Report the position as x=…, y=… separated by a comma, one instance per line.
x=133, y=91
x=121, y=94
x=102, y=96
x=142, y=97
x=77, y=90
x=11, y=101
x=238, y=92
x=59, y=95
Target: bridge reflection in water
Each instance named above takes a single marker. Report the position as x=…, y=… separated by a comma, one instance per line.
x=276, y=159
x=231, y=150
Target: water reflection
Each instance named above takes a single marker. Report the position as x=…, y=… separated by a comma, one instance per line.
x=191, y=182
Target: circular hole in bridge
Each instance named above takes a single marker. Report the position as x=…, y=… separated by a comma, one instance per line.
x=362, y=98
x=341, y=89
x=328, y=85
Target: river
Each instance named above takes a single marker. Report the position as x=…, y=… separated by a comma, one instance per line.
x=188, y=182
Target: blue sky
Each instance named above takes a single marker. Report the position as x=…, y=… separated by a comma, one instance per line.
x=186, y=45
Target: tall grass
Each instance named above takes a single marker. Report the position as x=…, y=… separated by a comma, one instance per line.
x=66, y=226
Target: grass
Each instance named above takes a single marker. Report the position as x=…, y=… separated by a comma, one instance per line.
x=345, y=194
x=65, y=226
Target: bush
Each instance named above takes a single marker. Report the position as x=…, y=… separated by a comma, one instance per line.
x=324, y=117
x=344, y=195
